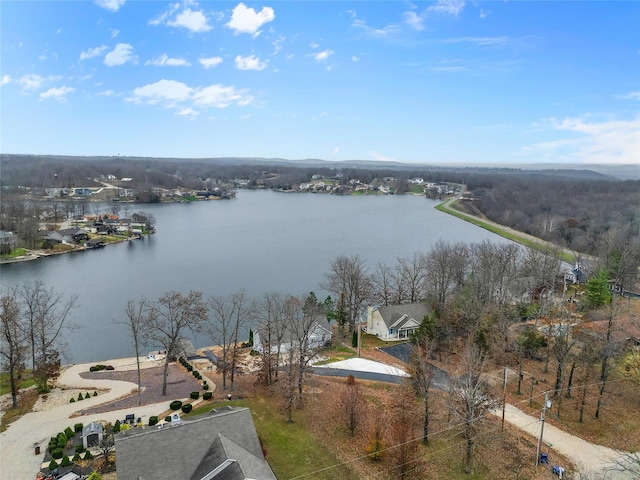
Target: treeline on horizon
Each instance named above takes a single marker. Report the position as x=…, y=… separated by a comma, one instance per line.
x=572, y=208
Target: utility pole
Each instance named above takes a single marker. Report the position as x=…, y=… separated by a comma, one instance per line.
x=504, y=394
x=547, y=404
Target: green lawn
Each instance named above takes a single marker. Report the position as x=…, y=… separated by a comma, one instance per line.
x=291, y=448
x=16, y=252
x=27, y=381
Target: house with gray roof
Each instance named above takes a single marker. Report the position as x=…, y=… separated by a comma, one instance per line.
x=319, y=335
x=396, y=322
x=220, y=445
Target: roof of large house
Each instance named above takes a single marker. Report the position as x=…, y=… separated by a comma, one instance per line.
x=397, y=315
x=221, y=445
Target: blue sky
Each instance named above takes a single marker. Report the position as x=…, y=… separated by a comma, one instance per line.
x=446, y=81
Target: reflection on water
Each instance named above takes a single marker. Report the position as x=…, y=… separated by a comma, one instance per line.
x=262, y=241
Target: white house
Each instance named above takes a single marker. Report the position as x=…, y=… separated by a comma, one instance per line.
x=396, y=322
x=319, y=334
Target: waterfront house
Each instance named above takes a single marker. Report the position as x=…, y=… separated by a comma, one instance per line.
x=396, y=322
x=9, y=238
x=222, y=444
x=319, y=335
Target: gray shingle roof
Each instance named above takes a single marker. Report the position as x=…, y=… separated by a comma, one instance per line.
x=193, y=449
x=392, y=313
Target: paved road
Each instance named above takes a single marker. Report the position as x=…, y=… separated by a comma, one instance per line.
x=589, y=458
x=17, y=458
x=377, y=377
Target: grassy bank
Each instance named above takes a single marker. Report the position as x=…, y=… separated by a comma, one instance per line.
x=449, y=207
x=291, y=449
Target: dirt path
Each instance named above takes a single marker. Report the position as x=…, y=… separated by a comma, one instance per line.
x=589, y=458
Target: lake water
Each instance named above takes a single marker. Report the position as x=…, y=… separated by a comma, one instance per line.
x=262, y=241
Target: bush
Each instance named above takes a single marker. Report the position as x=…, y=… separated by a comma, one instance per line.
x=78, y=427
x=207, y=395
x=80, y=397
x=153, y=420
x=116, y=427
x=95, y=394
x=124, y=426
x=167, y=418
x=68, y=433
x=175, y=405
x=65, y=461
x=73, y=400
x=53, y=465
x=61, y=440
x=187, y=408
x=195, y=395
x=57, y=453
x=79, y=448
x=94, y=476
x=97, y=368
x=87, y=455
x=86, y=395
x=76, y=457
x=205, y=387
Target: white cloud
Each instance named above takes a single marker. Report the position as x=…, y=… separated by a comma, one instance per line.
x=31, y=82
x=632, y=96
x=210, y=62
x=93, y=52
x=323, y=55
x=601, y=142
x=42, y=57
x=314, y=45
x=414, y=20
x=58, y=31
x=121, y=54
x=106, y=93
x=383, y=158
x=111, y=5
x=247, y=20
x=195, y=21
x=189, y=101
x=320, y=115
x=165, y=61
x=448, y=7
x=114, y=32
x=336, y=150
x=484, y=13
x=249, y=63
x=483, y=41
x=5, y=79
x=58, y=93
x=386, y=31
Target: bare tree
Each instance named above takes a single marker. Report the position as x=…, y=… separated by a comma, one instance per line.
x=47, y=313
x=242, y=309
x=349, y=280
x=12, y=341
x=470, y=398
x=422, y=375
x=138, y=314
x=381, y=282
x=403, y=436
x=271, y=331
x=169, y=317
x=350, y=400
x=414, y=276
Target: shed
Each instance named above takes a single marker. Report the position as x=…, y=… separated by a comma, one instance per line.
x=92, y=434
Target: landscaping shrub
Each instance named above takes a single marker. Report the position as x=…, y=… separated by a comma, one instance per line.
x=167, y=418
x=78, y=427
x=79, y=448
x=175, y=405
x=76, y=457
x=94, y=476
x=61, y=440
x=57, y=453
x=80, y=397
x=187, y=408
x=207, y=395
x=116, y=427
x=97, y=368
x=153, y=420
x=205, y=387
x=65, y=461
x=86, y=395
x=124, y=426
x=87, y=455
x=95, y=394
x=73, y=400
x=195, y=395
x=68, y=433
x=53, y=465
